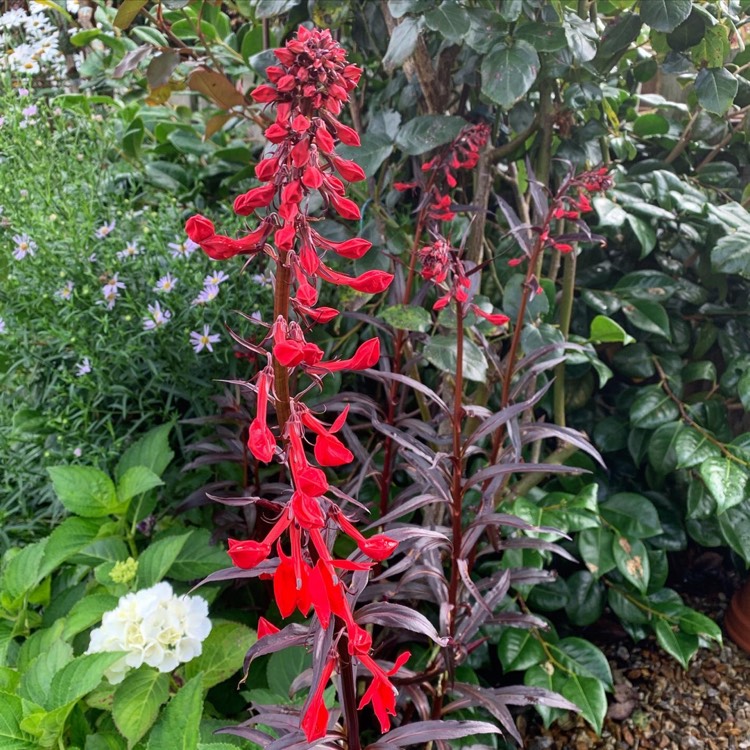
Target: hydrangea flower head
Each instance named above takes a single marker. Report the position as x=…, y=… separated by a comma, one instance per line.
x=156, y=627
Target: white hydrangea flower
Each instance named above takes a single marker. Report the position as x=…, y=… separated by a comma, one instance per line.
x=155, y=627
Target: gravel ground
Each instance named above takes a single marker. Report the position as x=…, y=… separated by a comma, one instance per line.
x=657, y=704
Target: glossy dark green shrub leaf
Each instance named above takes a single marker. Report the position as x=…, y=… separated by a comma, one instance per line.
x=664, y=15
x=519, y=649
x=716, y=89
x=508, y=72
x=675, y=642
x=423, y=133
x=632, y=515
x=595, y=548
x=632, y=561
x=725, y=480
x=652, y=408
x=586, y=599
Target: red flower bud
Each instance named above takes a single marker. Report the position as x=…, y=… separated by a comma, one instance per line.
x=258, y=197
x=348, y=169
x=260, y=441
x=249, y=553
x=347, y=135
x=311, y=481
x=378, y=547
x=199, y=228
x=497, y=319
x=267, y=169
x=324, y=140
x=276, y=133
x=286, y=83
x=288, y=352
x=346, y=208
x=264, y=93
x=353, y=249
x=330, y=451
x=312, y=178
x=307, y=512
x=284, y=237
x=301, y=153
x=300, y=124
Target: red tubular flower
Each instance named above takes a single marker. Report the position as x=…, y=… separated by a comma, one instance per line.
x=199, y=228
x=353, y=249
x=265, y=628
x=306, y=511
x=563, y=247
x=291, y=586
x=249, y=553
x=366, y=356
x=370, y=282
x=346, y=208
x=267, y=169
x=381, y=692
x=315, y=719
x=330, y=451
x=261, y=441
x=264, y=94
x=497, y=319
x=378, y=547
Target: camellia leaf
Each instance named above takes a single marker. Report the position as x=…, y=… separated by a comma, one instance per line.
x=664, y=15
x=402, y=44
x=519, y=649
x=595, y=547
x=652, y=408
x=675, y=642
x=604, y=330
x=632, y=515
x=137, y=700
x=632, y=561
x=732, y=254
x=426, y=132
x=441, y=351
x=449, y=19
x=586, y=599
x=588, y=694
x=725, y=480
x=648, y=316
x=715, y=89
x=508, y=72
x=127, y=12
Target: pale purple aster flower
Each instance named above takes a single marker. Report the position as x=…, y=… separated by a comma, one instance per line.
x=83, y=367
x=92, y=258
x=131, y=250
x=3, y=326
x=115, y=282
x=78, y=452
x=23, y=92
x=183, y=249
x=110, y=296
x=166, y=283
x=66, y=292
x=207, y=294
x=205, y=340
x=105, y=230
x=30, y=111
x=156, y=317
x=260, y=279
x=215, y=279
x=256, y=316
x=24, y=246
x=2, y=121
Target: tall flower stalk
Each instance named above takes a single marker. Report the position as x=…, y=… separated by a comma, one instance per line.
x=307, y=90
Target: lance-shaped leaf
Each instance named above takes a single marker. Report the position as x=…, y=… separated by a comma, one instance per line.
x=427, y=731
x=398, y=616
x=292, y=635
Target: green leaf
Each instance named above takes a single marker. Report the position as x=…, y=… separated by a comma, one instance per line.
x=664, y=15
x=402, y=43
x=585, y=600
x=273, y=8
x=604, y=330
x=179, y=726
x=595, y=547
x=743, y=390
x=284, y=667
x=648, y=316
x=696, y=623
x=135, y=481
x=634, y=361
x=199, y=557
x=12, y=737
x=481, y=34
x=441, y=351
x=676, y=643
x=662, y=447
x=87, y=612
x=588, y=694
x=519, y=649
x=37, y=676
x=715, y=89
x=631, y=515
x=223, y=652
x=650, y=124
x=651, y=408
x=692, y=448
x=85, y=491
x=425, y=132
x=79, y=677
x=23, y=573
x=543, y=37
x=127, y=12
x=157, y=559
x=407, y=318
x=167, y=176
x=137, y=700
x=508, y=72
x=725, y=480
x=732, y=254
x=449, y=19
x=584, y=659
x=632, y=561
x=626, y=608
x=734, y=525
x=646, y=285
x=82, y=38
x=539, y=676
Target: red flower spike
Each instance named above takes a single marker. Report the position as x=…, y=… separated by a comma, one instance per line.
x=381, y=692
x=199, y=228
x=249, y=553
x=265, y=628
x=378, y=547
